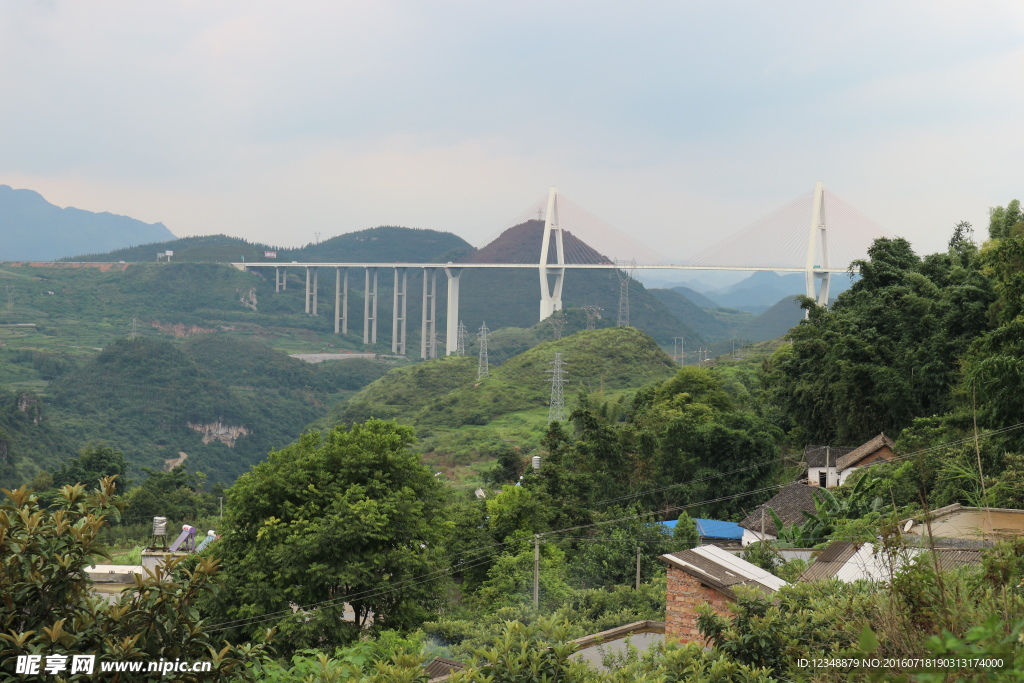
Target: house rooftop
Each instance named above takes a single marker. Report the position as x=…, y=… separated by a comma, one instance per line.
x=849, y=561
x=722, y=570
x=852, y=458
x=963, y=522
x=713, y=528
x=789, y=504
x=824, y=456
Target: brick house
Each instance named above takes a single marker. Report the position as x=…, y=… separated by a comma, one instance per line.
x=706, y=575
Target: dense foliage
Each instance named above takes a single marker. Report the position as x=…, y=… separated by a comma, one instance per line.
x=48, y=607
x=346, y=518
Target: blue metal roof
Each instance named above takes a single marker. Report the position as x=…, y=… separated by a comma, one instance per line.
x=712, y=528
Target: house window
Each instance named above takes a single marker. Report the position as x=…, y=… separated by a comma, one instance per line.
x=823, y=478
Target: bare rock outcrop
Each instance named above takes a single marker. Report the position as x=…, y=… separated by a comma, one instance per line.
x=218, y=431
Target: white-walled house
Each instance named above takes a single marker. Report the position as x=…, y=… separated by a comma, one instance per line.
x=830, y=466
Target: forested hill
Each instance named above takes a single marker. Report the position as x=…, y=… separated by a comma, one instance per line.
x=382, y=244
x=447, y=393
x=223, y=401
x=33, y=229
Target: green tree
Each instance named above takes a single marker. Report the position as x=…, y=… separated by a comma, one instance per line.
x=95, y=462
x=686, y=533
x=887, y=351
x=346, y=517
x=48, y=607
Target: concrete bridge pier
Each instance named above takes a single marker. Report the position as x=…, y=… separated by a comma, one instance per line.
x=308, y=283
x=451, y=340
x=277, y=280
x=398, y=311
x=340, y=301
x=370, y=307
x=428, y=323
x=316, y=290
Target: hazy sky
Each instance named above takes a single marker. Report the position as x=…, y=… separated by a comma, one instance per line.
x=678, y=122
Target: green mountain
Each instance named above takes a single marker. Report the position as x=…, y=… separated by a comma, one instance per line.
x=696, y=297
x=709, y=327
x=205, y=248
x=385, y=244
x=774, y=322
x=29, y=439
x=447, y=393
x=33, y=229
x=225, y=402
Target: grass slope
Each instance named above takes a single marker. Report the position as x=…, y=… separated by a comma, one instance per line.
x=446, y=392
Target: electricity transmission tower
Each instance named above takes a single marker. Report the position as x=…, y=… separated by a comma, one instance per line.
x=593, y=315
x=460, y=348
x=624, y=278
x=10, y=298
x=482, y=368
x=556, y=411
x=557, y=324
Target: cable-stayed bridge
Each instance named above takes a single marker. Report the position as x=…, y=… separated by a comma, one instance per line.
x=817, y=234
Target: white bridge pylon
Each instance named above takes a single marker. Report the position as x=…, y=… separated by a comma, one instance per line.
x=818, y=236
x=551, y=292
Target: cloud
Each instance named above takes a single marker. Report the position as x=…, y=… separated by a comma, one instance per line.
x=677, y=122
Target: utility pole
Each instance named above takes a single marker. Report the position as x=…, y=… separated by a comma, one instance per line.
x=536, y=571
x=638, y=567
x=10, y=298
x=678, y=350
x=483, y=368
x=556, y=409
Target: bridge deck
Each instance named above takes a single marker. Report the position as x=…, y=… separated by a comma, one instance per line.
x=568, y=266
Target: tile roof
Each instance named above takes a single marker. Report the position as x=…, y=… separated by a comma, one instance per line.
x=856, y=455
x=830, y=561
x=722, y=570
x=849, y=562
x=440, y=668
x=824, y=456
x=789, y=504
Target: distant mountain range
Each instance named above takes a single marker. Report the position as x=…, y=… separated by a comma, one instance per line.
x=32, y=229
x=764, y=289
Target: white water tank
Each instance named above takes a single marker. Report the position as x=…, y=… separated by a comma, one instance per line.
x=536, y=462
